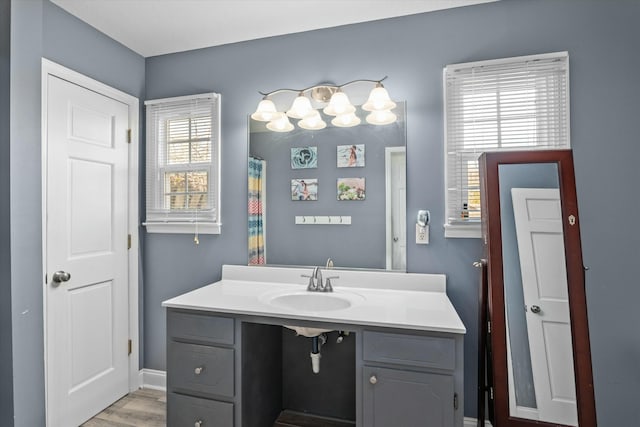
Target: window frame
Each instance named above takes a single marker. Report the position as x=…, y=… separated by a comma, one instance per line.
x=184, y=221
x=472, y=228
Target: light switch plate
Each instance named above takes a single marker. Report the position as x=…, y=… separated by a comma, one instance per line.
x=422, y=235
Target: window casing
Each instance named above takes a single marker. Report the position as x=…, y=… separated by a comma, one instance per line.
x=183, y=165
x=517, y=103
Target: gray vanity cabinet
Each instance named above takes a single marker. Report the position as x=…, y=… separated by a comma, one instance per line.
x=409, y=380
x=200, y=370
x=227, y=372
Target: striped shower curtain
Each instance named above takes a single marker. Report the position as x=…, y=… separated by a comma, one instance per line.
x=257, y=169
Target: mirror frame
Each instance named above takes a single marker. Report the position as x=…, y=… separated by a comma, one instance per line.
x=492, y=239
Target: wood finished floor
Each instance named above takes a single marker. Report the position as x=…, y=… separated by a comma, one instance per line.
x=142, y=408
x=147, y=408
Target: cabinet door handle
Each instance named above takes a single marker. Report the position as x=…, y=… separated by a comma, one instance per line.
x=198, y=423
x=373, y=379
x=198, y=371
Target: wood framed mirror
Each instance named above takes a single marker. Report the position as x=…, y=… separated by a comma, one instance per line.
x=541, y=357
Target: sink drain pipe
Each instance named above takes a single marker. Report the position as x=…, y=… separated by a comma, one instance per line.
x=316, y=343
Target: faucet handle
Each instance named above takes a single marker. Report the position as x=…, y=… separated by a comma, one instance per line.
x=312, y=285
x=327, y=283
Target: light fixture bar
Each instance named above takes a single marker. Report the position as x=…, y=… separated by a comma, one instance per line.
x=330, y=85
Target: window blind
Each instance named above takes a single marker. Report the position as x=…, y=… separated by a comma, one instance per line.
x=183, y=174
x=509, y=104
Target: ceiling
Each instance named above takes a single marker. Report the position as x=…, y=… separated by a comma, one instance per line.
x=157, y=27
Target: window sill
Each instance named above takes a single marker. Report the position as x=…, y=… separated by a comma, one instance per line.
x=463, y=231
x=183, y=227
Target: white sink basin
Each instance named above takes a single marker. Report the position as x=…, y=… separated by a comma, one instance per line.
x=306, y=301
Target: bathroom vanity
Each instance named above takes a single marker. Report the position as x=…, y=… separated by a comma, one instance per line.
x=224, y=347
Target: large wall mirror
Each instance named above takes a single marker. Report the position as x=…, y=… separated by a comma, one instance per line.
x=541, y=357
x=334, y=193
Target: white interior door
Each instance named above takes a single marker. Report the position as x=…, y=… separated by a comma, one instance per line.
x=87, y=316
x=538, y=221
x=396, y=176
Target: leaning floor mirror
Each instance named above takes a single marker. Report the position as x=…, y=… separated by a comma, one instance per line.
x=541, y=358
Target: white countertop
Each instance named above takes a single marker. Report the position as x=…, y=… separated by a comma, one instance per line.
x=410, y=301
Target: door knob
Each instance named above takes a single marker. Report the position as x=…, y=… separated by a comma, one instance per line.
x=60, y=276
x=373, y=379
x=535, y=309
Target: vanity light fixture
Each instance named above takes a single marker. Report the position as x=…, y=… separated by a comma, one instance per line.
x=313, y=121
x=266, y=111
x=300, y=108
x=346, y=120
x=379, y=106
x=382, y=117
x=280, y=124
x=379, y=100
x=339, y=105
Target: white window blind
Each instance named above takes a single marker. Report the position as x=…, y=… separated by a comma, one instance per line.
x=183, y=170
x=508, y=104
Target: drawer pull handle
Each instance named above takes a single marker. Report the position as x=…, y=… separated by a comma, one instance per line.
x=198, y=371
x=198, y=423
x=373, y=379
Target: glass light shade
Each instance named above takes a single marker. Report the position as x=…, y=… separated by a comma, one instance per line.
x=383, y=117
x=339, y=104
x=346, y=120
x=266, y=111
x=280, y=124
x=300, y=108
x=378, y=100
x=312, y=121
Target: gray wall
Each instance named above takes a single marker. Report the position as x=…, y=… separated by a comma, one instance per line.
x=519, y=176
x=288, y=243
x=601, y=37
x=25, y=206
x=38, y=28
x=6, y=378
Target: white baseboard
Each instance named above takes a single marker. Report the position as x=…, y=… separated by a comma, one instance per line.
x=153, y=379
x=473, y=422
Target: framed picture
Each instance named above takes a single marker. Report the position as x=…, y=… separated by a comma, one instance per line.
x=304, y=189
x=351, y=189
x=350, y=156
x=304, y=157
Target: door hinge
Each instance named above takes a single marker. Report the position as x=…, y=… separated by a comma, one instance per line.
x=488, y=327
x=455, y=401
x=490, y=393
x=128, y=241
x=129, y=347
x=128, y=136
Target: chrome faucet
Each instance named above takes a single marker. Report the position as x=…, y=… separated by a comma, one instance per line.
x=315, y=281
x=317, y=275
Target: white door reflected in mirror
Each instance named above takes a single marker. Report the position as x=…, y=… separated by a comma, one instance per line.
x=538, y=223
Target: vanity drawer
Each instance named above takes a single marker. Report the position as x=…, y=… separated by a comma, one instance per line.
x=200, y=368
x=192, y=411
x=200, y=327
x=414, y=350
